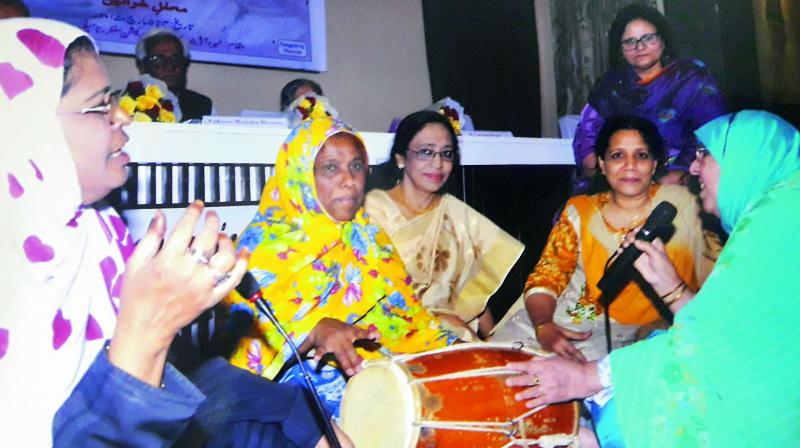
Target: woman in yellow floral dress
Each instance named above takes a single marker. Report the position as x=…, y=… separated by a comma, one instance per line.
x=330, y=275
x=559, y=310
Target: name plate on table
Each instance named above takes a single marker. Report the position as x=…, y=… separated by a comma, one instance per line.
x=261, y=122
x=488, y=133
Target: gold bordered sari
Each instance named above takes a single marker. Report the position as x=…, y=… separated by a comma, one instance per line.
x=456, y=257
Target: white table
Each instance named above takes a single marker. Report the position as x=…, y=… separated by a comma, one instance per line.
x=233, y=162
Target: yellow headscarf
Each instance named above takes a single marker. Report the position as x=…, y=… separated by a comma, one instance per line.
x=310, y=266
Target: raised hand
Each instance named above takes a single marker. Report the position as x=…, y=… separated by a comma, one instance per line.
x=656, y=267
x=167, y=286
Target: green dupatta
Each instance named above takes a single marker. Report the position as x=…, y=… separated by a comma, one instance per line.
x=728, y=372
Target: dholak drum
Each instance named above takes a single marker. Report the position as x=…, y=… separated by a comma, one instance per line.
x=451, y=397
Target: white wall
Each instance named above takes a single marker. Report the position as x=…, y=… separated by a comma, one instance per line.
x=377, y=67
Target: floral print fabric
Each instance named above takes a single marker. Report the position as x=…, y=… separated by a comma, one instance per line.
x=586, y=244
x=311, y=267
x=574, y=260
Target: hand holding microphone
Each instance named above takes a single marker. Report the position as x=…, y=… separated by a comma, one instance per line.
x=619, y=273
x=654, y=264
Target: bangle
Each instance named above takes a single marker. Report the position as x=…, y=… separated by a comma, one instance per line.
x=675, y=294
x=540, y=324
x=673, y=290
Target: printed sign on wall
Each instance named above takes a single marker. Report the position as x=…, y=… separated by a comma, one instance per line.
x=266, y=33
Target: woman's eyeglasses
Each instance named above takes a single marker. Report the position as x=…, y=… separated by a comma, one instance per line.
x=632, y=43
x=424, y=154
x=102, y=109
x=702, y=151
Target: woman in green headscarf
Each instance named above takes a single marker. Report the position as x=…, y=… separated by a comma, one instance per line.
x=728, y=372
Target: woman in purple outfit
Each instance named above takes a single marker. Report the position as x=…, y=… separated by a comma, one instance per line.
x=648, y=80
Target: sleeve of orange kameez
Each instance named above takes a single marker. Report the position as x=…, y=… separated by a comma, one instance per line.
x=558, y=261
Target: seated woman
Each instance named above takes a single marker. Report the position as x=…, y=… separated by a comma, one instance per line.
x=62, y=382
x=559, y=311
x=648, y=80
x=456, y=257
x=727, y=373
x=331, y=277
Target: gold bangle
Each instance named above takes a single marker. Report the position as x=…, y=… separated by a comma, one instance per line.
x=673, y=290
x=679, y=290
x=537, y=326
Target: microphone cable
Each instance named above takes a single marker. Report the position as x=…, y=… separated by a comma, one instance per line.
x=250, y=290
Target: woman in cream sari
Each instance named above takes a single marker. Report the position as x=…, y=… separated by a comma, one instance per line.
x=456, y=257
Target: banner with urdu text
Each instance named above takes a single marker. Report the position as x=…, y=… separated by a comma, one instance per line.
x=267, y=33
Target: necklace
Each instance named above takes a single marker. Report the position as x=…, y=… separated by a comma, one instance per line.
x=634, y=222
x=399, y=197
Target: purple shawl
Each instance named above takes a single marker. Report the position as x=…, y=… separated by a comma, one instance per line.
x=681, y=99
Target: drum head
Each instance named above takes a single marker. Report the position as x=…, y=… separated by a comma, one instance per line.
x=384, y=419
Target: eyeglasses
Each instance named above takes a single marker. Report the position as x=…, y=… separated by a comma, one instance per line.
x=424, y=154
x=157, y=60
x=701, y=152
x=109, y=103
x=632, y=43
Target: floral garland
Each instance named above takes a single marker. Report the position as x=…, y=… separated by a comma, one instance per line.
x=452, y=116
x=147, y=103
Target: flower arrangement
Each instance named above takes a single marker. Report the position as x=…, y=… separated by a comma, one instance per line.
x=453, y=117
x=147, y=99
x=310, y=105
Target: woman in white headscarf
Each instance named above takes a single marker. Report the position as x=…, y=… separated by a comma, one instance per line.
x=64, y=257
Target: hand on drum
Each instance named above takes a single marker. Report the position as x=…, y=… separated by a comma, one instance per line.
x=553, y=380
x=167, y=286
x=334, y=337
x=556, y=339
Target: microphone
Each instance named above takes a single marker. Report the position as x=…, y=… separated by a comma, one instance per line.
x=618, y=274
x=251, y=291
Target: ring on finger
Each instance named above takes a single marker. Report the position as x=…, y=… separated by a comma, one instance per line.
x=198, y=255
x=220, y=277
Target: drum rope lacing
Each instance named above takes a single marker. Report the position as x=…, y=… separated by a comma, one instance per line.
x=509, y=428
x=466, y=374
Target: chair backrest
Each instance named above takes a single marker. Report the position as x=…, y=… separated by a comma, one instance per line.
x=232, y=190
x=567, y=125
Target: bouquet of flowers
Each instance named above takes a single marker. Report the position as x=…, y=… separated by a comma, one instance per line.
x=147, y=99
x=454, y=112
x=452, y=116
x=307, y=105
